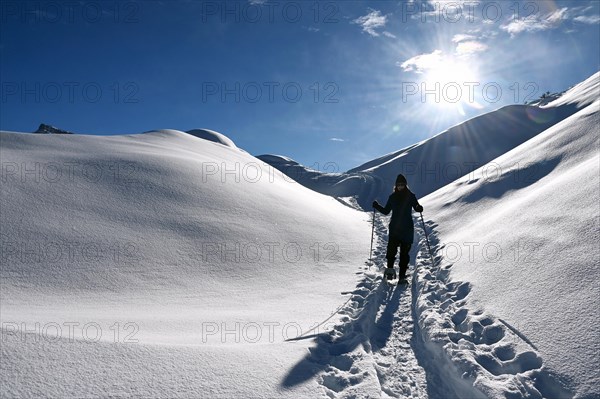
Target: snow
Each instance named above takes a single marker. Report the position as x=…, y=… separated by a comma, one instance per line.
x=508, y=307
x=525, y=243
x=213, y=258
x=582, y=94
x=433, y=163
x=175, y=264
x=213, y=136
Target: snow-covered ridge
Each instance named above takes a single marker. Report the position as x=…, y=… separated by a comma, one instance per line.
x=456, y=152
x=432, y=163
x=582, y=94
x=206, y=134
x=213, y=136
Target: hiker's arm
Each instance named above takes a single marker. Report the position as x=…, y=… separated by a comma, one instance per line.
x=416, y=206
x=383, y=209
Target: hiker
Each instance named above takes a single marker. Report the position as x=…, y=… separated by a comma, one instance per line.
x=401, y=228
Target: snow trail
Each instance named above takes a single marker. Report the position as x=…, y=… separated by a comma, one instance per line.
x=421, y=341
x=370, y=352
x=478, y=355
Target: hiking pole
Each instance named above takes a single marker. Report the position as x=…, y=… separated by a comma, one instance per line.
x=427, y=239
x=372, y=234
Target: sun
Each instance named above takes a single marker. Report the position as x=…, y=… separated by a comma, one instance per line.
x=451, y=84
x=451, y=72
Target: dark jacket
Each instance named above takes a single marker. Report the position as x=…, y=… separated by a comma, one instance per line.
x=401, y=224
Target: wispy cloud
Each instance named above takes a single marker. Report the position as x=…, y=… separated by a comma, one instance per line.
x=422, y=62
x=462, y=38
x=535, y=23
x=389, y=34
x=336, y=139
x=257, y=2
x=558, y=15
x=372, y=21
x=470, y=43
x=588, y=19
x=470, y=47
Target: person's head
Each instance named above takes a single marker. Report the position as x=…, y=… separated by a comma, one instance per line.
x=401, y=183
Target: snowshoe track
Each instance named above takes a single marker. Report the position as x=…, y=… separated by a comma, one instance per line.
x=376, y=350
x=369, y=353
x=489, y=357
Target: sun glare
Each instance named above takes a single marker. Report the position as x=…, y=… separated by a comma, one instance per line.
x=443, y=84
x=451, y=84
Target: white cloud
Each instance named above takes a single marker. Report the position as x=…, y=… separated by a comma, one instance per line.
x=588, y=19
x=422, y=62
x=257, y=2
x=534, y=23
x=470, y=43
x=462, y=37
x=389, y=34
x=523, y=25
x=336, y=139
x=371, y=21
x=558, y=15
x=470, y=47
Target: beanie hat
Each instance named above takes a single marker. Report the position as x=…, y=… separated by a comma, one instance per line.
x=401, y=179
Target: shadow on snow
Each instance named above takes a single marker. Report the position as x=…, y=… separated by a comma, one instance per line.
x=360, y=328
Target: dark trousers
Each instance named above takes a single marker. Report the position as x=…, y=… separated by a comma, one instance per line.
x=392, y=250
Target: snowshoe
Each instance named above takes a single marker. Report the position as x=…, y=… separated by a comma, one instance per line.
x=389, y=273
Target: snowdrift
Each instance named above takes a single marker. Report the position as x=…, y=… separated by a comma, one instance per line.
x=213, y=136
x=162, y=264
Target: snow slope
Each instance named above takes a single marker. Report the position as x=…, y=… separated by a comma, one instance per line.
x=160, y=264
x=360, y=185
x=435, y=162
x=505, y=305
x=513, y=300
x=580, y=95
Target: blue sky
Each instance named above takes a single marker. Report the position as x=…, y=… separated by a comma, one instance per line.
x=326, y=83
